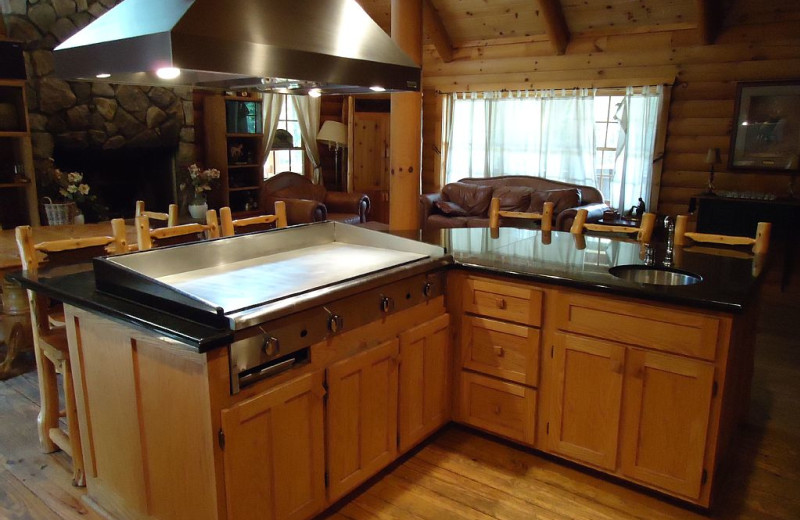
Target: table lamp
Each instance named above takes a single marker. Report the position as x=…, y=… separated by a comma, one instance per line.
x=712, y=158
x=335, y=134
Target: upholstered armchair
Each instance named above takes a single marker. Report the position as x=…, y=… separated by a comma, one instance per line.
x=309, y=202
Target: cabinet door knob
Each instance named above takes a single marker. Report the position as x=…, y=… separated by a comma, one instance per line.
x=497, y=409
x=501, y=303
x=499, y=351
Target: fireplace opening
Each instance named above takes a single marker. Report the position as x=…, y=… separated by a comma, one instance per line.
x=121, y=177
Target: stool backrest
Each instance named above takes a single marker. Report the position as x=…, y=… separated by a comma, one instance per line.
x=643, y=233
x=545, y=217
x=759, y=243
x=148, y=238
x=169, y=219
x=228, y=226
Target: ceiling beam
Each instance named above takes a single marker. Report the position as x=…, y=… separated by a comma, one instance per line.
x=433, y=25
x=555, y=24
x=709, y=20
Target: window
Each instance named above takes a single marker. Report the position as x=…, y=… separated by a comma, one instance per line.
x=287, y=148
x=605, y=140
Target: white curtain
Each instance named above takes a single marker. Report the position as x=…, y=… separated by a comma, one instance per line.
x=307, y=109
x=272, y=106
x=551, y=134
x=544, y=133
x=633, y=172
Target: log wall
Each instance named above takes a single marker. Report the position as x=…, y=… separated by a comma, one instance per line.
x=704, y=81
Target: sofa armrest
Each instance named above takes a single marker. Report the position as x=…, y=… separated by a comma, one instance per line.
x=343, y=202
x=426, y=202
x=565, y=218
x=301, y=211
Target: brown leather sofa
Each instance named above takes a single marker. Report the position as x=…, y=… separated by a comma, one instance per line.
x=466, y=203
x=309, y=202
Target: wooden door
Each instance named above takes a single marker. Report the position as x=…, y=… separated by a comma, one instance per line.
x=370, y=154
x=424, y=377
x=274, y=458
x=362, y=417
x=665, y=425
x=587, y=399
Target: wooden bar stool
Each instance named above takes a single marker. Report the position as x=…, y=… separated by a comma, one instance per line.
x=643, y=233
x=760, y=242
x=545, y=217
x=148, y=238
x=227, y=226
x=50, y=341
x=169, y=219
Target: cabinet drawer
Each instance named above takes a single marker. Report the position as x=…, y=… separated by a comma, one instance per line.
x=501, y=349
x=500, y=407
x=665, y=329
x=506, y=301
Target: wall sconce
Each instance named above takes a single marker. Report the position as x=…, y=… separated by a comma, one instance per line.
x=712, y=158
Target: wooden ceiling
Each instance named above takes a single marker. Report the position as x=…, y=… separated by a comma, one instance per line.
x=453, y=24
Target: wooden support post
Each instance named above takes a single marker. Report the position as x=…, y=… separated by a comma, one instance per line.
x=555, y=25
x=709, y=20
x=437, y=31
x=406, y=124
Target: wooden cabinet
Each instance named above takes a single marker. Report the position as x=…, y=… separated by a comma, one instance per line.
x=424, y=380
x=274, y=452
x=587, y=394
x=499, y=338
x=497, y=406
x=233, y=140
x=666, y=420
x=370, y=161
x=18, y=200
x=362, y=417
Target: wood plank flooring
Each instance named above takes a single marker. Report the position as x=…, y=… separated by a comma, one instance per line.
x=461, y=474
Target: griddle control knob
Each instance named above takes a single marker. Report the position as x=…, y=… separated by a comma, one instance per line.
x=335, y=323
x=387, y=304
x=271, y=346
x=427, y=289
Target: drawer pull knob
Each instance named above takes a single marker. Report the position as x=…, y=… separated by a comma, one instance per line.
x=501, y=303
x=497, y=409
x=499, y=351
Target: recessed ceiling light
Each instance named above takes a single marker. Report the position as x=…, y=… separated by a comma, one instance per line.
x=168, y=72
x=103, y=75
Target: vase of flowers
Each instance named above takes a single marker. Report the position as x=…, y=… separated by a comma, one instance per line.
x=199, y=182
x=70, y=192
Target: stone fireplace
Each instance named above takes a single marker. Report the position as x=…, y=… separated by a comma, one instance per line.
x=128, y=141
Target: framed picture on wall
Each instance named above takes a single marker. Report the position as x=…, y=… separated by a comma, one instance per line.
x=766, y=132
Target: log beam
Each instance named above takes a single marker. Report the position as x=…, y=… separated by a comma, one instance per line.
x=437, y=32
x=405, y=129
x=709, y=20
x=555, y=24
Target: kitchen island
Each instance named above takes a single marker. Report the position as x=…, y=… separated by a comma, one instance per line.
x=536, y=343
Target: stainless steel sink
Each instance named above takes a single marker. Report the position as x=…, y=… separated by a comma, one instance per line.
x=655, y=275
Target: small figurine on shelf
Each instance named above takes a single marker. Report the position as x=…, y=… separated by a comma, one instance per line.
x=636, y=212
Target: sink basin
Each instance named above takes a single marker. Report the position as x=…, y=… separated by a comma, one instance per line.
x=655, y=275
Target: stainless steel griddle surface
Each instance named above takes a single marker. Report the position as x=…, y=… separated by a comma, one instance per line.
x=247, y=283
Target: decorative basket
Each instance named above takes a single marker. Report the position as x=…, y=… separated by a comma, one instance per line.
x=59, y=214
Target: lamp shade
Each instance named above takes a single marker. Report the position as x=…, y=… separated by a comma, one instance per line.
x=334, y=133
x=712, y=156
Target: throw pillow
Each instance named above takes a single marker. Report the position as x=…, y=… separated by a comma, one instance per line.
x=474, y=198
x=451, y=209
x=513, y=198
x=561, y=199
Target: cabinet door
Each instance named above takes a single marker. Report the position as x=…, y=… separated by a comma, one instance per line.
x=667, y=409
x=424, y=377
x=587, y=399
x=362, y=417
x=274, y=459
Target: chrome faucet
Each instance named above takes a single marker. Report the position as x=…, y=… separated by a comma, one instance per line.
x=669, y=225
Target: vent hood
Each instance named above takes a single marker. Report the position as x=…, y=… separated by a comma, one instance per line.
x=288, y=45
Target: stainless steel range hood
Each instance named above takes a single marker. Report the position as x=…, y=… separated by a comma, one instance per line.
x=295, y=45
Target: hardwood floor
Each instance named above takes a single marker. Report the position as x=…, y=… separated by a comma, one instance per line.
x=460, y=474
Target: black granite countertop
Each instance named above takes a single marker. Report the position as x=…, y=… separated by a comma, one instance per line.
x=560, y=258
x=556, y=258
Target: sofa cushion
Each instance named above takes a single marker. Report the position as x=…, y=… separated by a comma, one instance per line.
x=561, y=199
x=474, y=198
x=513, y=198
x=437, y=221
x=450, y=209
x=308, y=191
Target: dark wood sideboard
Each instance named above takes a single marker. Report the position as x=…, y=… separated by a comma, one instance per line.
x=740, y=216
